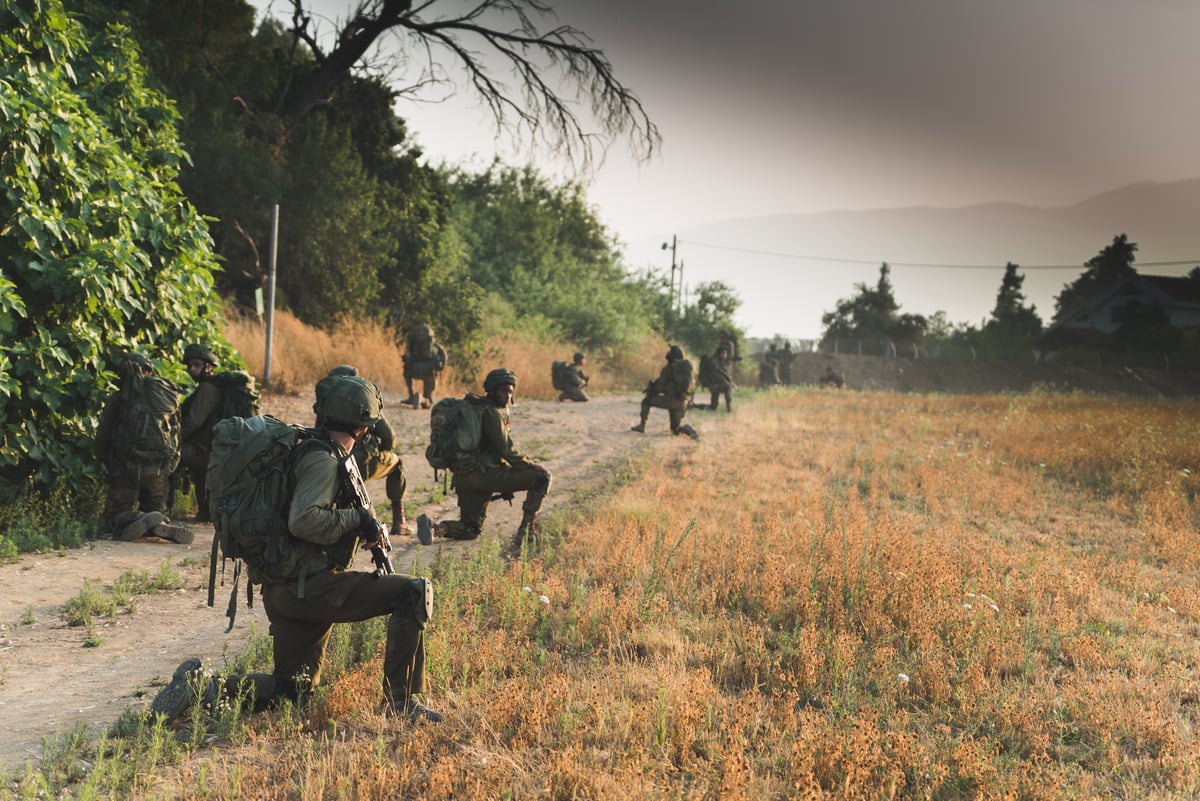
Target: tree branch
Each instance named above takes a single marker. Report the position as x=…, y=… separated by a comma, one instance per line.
x=537, y=105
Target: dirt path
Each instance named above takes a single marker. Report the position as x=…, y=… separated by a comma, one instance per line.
x=50, y=678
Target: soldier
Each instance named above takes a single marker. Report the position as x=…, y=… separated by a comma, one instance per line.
x=326, y=527
x=424, y=357
x=374, y=453
x=785, y=358
x=498, y=468
x=138, y=439
x=832, y=378
x=200, y=412
x=672, y=390
x=768, y=368
x=721, y=380
x=574, y=380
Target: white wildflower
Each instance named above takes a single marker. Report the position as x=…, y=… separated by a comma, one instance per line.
x=543, y=599
x=903, y=677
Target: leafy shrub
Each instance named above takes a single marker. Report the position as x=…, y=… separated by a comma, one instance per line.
x=101, y=252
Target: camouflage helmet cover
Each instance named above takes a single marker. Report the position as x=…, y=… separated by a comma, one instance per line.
x=350, y=401
x=674, y=352
x=578, y=357
x=501, y=375
x=134, y=359
x=343, y=370
x=200, y=351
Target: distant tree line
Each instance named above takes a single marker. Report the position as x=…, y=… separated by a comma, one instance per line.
x=1013, y=329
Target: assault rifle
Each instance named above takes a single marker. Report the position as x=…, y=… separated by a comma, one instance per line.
x=352, y=480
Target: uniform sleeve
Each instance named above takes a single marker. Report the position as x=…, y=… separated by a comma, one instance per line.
x=311, y=515
x=202, y=403
x=383, y=432
x=496, y=439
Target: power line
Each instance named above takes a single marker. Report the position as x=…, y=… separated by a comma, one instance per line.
x=798, y=256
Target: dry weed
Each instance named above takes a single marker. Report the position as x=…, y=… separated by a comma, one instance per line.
x=833, y=595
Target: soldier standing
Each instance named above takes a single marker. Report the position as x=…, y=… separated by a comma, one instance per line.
x=200, y=412
x=721, y=381
x=424, y=357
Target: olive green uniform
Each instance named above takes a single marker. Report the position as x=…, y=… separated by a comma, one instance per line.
x=669, y=392
x=373, y=451
x=321, y=591
x=576, y=381
x=200, y=413
x=135, y=486
x=500, y=469
x=723, y=385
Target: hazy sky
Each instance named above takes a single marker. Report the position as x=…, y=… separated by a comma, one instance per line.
x=778, y=106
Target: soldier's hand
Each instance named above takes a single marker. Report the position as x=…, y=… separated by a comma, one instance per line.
x=370, y=531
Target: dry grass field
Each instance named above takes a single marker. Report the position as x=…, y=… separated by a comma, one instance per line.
x=302, y=355
x=831, y=595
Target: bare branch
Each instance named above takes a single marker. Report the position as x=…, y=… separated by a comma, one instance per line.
x=508, y=29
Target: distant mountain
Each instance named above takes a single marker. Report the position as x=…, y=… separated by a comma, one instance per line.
x=1050, y=244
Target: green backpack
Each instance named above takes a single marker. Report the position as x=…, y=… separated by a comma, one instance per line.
x=420, y=343
x=680, y=379
x=561, y=376
x=147, y=431
x=249, y=489
x=239, y=396
x=455, y=428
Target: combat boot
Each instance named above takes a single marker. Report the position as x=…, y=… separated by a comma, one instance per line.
x=180, y=692
x=528, y=533
x=400, y=526
x=640, y=428
x=412, y=711
x=689, y=431
x=425, y=529
x=173, y=531
x=141, y=526
x=414, y=400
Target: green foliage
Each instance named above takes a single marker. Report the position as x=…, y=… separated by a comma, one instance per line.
x=101, y=252
x=704, y=320
x=542, y=248
x=1112, y=263
x=871, y=314
x=45, y=517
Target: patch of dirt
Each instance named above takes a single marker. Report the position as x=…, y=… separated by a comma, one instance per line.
x=50, y=678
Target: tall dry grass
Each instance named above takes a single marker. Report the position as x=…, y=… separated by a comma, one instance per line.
x=301, y=355
x=833, y=595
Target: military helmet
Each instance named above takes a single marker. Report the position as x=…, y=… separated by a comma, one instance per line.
x=343, y=370
x=674, y=352
x=199, y=351
x=578, y=357
x=350, y=401
x=135, y=362
x=501, y=375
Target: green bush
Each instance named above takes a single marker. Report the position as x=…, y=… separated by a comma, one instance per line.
x=101, y=252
